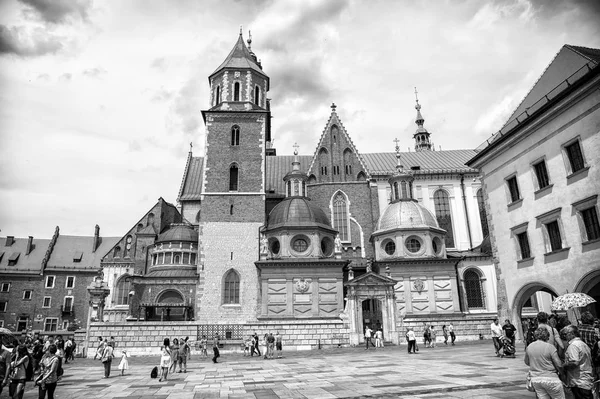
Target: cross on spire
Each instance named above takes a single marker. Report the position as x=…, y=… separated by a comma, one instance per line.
x=397, y=145
x=296, y=146
x=191, y=145
x=333, y=107
x=418, y=106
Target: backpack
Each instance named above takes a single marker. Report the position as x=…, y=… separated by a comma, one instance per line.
x=29, y=369
x=154, y=372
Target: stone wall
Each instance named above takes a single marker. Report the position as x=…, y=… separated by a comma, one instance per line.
x=466, y=327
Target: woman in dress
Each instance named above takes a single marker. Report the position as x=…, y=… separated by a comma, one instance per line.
x=174, y=355
x=165, y=359
x=445, y=332
x=124, y=364
x=18, y=374
x=544, y=366
x=48, y=377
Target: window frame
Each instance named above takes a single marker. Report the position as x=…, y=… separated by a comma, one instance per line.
x=119, y=291
x=53, y=282
x=578, y=208
x=67, y=282
x=344, y=219
x=438, y=211
x=510, y=194
x=235, y=136
x=234, y=187
x=49, y=298
x=517, y=231
x=3, y=308
x=567, y=157
x=72, y=302
x=536, y=176
x=230, y=296
x=5, y=285
x=30, y=295
x=46, y=320
x=548, y=218
x=237, y=91
x=480, y=284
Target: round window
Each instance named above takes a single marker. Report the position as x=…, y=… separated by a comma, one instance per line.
x=390, y=247
x=300, y=244
x=437, y=245
x=413, y=245
x=274, y=246
x=327, y=246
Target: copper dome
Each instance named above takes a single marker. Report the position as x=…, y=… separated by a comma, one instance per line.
x=406, y=214
x=179, y=232
x=297, y=212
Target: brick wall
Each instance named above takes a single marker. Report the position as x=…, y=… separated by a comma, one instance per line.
x=17, y=307
x=466, y=327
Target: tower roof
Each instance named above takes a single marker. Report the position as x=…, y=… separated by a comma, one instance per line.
x=240, y=58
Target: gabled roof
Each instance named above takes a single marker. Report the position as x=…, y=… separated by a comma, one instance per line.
x=335, y=120
x=67, y=248
x=278, y=166
x=565, y=63
x=371, y=278
x=191, y=184
x=384, y=163
x=26, y=264
x=240, y=58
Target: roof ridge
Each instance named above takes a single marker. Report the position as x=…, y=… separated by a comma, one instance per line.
x=185, y=174
x=577, y=49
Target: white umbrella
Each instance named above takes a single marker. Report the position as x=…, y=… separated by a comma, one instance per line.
x=572, y=300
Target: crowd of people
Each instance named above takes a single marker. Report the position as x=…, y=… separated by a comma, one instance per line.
x=563, y=358
x=36, y=360
x=429, y=337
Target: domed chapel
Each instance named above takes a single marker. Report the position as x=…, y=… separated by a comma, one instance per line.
x=316, y=246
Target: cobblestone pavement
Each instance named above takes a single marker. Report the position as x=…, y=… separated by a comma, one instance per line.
x=467, y=370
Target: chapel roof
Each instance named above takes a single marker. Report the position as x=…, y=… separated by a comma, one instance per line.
x=240, y=58
x=405, y=214
x=179, y=232
x=297, y=212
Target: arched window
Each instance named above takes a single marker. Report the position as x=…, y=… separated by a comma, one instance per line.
x=396, y=190
x=444, y=215
x=235, y=135
x=128, y=244
x=348, y=161
x=256, y=95
x=117, y=253
x=233, y=178
x=231, y=289
x=482, y=213
x=340, y=216
x=236, y=91
x=122, y=289
x=323, y=161
x=474, y=290
x=361, y=176
x=312, y=179
x=218, y=95
x=404, y=191
x=150, y=220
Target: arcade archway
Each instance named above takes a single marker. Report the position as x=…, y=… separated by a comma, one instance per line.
x=590, y=284
x=530, y=299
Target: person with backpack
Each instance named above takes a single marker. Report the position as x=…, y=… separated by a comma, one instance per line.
x=49, y=373
x=18, y=374
x=106, y=359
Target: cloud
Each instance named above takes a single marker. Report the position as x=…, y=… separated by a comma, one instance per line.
x=94, y=72
x=43, y=77
x=58, y=11
x=65, y=77
x=28, y=42
x=161, y=95
x=184, y=115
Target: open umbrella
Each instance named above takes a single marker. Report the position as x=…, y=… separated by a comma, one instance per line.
x=7, y=337
x=572, y=300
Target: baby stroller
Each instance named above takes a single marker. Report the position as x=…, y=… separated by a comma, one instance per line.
x=508, y=349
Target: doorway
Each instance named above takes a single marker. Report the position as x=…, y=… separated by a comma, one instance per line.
x=372, y=314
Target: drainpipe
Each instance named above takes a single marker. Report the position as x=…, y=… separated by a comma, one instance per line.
x=464, y=197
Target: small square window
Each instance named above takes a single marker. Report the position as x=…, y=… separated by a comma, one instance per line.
x=3, y=305
x=47, y=302
x=575, y=156
x=541, y=173
x=77, y=256
x=523, y=241
x=14, y=258
x=70, y=283
x=65, y=324
x=513, y=188
x=27, y=294
x=590, y=221
x=50, y=281
x=51, y=324
x=552, y=230
x=554, y=235
x=68, y=304
x=5, y=287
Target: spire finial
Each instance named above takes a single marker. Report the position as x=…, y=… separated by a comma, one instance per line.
x=296, y=146
x=399, y=166
x=418, y=106
x=241, y=27
x=333, y=107
x=191, y=146
x=249, y=41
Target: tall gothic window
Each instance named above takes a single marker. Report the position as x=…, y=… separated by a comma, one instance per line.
x=231, y=289
x=444, y=215
x=340, y=216
x=256, y=95
x=474, y=290
x=218, y=95
x=482, y=213
x=236, y=91
x=233, y=178
x=235, y=135
x=404, y=189
x=122, y=291
x=323, y=161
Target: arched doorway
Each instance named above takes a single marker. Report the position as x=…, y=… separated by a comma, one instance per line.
x=170, y=306
x=372, y=314
x=530, y=299
x=590, y=284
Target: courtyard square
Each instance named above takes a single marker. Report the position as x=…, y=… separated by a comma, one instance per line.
x=467, y=370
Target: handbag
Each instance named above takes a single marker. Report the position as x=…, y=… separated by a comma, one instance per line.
x=528, y=383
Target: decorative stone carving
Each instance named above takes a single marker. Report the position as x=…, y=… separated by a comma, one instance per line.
x=418, y=285
x=302, y=285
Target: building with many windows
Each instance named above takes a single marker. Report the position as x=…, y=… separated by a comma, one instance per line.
x=541, y=181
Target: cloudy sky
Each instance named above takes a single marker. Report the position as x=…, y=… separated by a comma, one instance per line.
x=99, y=100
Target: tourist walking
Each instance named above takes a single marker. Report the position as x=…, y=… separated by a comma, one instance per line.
x=124, y=363
x=509, y=330
x=4, y=367
x=451, y=332
x=270, y=346
x=426, y=337
x=248, y=346
x=107, y=356
x=165, y=359
x=578, y=364
x=266, y=345
x=368, y=335
x=255, y=347
x=68, y=349
x=545, y=366
x=278, y=344
x=204, y=346
x=216, y=353
x=379, y=338
x=496, y=335
x=445, y=333
x=432, y=336
x=184, y=354
x=174, y=355
x=18, y=375
x=99, y=349
x=49, y=373
x=412, y=341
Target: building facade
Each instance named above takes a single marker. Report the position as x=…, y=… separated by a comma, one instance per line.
x=541, y=183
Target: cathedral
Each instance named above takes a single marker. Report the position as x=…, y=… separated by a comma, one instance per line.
x=316, y=246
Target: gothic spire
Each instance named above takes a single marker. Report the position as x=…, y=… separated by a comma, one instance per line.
x=421, y=136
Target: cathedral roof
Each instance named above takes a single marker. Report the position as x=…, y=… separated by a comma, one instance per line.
x=179, y=232
x=405, y=214
x=297, y=212
x=240, y=58
x=191, y=183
